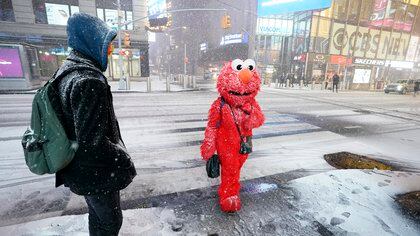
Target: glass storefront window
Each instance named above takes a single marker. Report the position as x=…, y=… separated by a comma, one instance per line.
x=54, y=12
x=314, y=27
x=324, y=27
x=409, y=18
x=106, y=10
x=126, y=5
x=340, y=10
x=379, y=13
x=394, y=18
x=110, y=16
x=366, y=12
x=416, y=27
x=6, y=11
x=354, y=11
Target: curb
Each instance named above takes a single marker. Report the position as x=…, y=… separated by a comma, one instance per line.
x=113, y=91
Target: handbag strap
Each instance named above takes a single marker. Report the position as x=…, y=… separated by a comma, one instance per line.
x=236, y=122
x=222, y=103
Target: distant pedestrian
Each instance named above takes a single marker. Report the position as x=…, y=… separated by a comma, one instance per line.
x=336, y=81
x=416, y=88
x=326, y=83
x=101, y=166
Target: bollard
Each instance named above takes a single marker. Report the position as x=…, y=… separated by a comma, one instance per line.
x=149, y=85
x=194, y=82
x=287, y=83
x=277, y=83
x=122, y=84
x=184, y=84
x=301, y=83
x=313, y=85
x=168, y=84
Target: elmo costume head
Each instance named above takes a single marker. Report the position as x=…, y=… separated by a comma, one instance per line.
x=239, y=82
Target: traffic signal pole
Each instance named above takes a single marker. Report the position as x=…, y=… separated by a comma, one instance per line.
x=124, y=83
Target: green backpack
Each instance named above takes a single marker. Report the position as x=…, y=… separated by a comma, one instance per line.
x=45, y=144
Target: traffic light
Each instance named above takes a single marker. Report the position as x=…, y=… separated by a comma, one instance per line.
x=127, y=40
x=226, y=23
x=126, y=53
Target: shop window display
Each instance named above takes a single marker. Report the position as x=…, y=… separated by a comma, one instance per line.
x=54, y=12
x=6, y=11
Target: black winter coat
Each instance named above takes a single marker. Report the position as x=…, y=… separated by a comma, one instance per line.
x=101, y=163
x=336, y=79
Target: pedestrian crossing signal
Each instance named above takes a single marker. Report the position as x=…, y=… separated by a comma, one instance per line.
x=127, y=40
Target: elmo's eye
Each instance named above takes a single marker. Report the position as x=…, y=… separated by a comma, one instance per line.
x=237, y=64
x=250, y=64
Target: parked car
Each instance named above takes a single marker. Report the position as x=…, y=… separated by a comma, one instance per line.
x=208, y=75
x=401, y=86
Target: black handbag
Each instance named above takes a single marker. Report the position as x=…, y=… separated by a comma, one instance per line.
x=213, y=167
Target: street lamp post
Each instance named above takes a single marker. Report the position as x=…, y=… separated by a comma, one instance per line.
x=124, y=83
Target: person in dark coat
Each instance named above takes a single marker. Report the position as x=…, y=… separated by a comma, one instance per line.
x=101, y=166
x=336, y=81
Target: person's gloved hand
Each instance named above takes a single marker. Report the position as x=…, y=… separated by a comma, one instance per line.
x=208, y=148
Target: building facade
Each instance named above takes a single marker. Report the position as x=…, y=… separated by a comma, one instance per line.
x=273, y=44
x=196, y=40
x=37, y=30
x=368, y=42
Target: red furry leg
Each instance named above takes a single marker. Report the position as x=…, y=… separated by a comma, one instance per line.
x=230, y=186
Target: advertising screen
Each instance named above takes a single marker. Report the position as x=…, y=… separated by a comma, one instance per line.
x=267, y=26
x=155, y=7
x=361, y=76
x=57, y=14
x=276, y=7
x=10, y=64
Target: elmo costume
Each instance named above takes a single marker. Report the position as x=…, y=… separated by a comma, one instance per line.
x=230, y=122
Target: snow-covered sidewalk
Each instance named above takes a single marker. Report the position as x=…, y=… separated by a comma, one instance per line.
x=341, y=202
x=158, y=85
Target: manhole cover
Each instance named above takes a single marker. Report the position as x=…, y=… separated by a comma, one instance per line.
x=410, y=202
x=347, y=160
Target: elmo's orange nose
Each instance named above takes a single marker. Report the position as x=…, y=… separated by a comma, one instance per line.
x=245, y=75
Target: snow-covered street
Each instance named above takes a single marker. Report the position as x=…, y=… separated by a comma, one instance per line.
x=288, y=188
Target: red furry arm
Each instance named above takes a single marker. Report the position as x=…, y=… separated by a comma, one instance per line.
x=256, y=118
x=208, y=148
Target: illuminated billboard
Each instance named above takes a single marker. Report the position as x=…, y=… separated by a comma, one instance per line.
x=158, y=16
x=156, y=9
x=58, y=14
x=276, y=7
x=10, y=63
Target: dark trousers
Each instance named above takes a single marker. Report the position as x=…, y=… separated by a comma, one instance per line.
x=335, y=86
x=105, y=215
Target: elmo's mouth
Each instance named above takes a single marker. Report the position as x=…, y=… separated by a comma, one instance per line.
x=239, y=94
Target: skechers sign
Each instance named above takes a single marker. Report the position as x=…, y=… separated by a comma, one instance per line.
x=276, y=7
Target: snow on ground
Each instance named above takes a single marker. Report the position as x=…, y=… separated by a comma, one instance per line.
x=344, y=202
x=151, y=221
x=358, y=202
x=141, y=86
